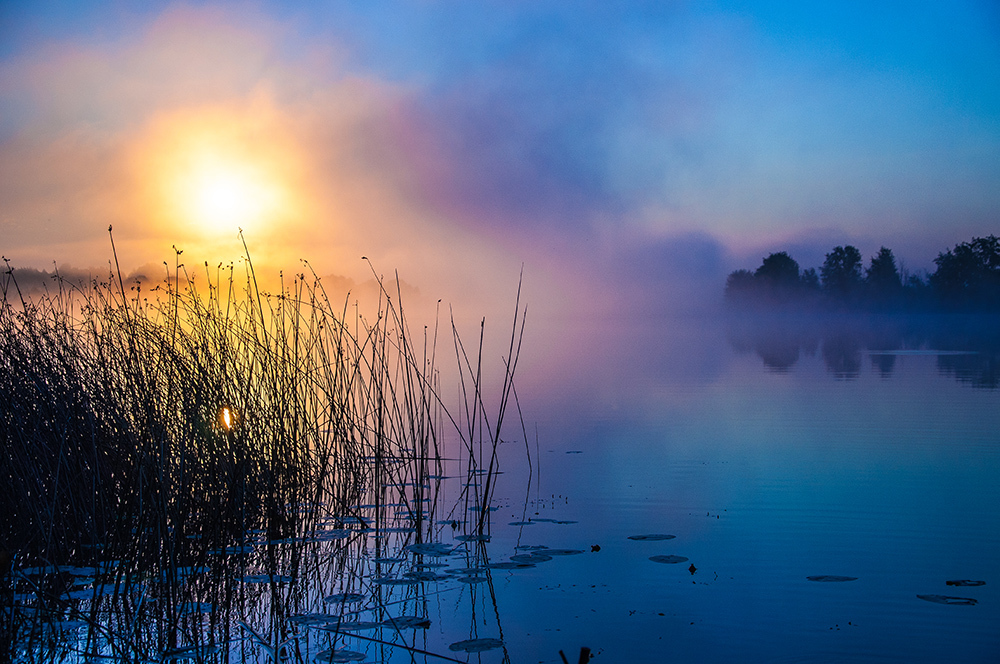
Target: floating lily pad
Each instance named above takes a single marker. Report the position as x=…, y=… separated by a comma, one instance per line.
x=562, y=552
x=559, y=521
x=431, y=549
x=473, y=538
x=387, y=581
x=655, y=537
x=531, y=547
x=535, y=557
x=307, y=619
x=965, y=582
x=470, y=571
x=831, y=578
x=355, y=625
x=945, y=599
x=265, y=578
x=335, y=534
x=189, y=652
x=471, y=579
x=511, y=565
x=334, y=656
x=343, y=598
x=426, y=576
x=476, y=645
x=521, y=523
x=670, y=560
x=407, y=622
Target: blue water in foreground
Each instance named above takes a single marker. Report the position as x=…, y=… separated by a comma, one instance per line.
x=888, y=471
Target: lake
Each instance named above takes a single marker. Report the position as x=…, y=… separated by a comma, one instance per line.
x=768, y=475
x=689, y=492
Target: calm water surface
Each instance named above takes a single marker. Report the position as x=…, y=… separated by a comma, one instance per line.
x=888, y=471
x=770, y=457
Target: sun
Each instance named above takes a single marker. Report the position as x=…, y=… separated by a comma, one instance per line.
x=208, y=174
x=220, y=190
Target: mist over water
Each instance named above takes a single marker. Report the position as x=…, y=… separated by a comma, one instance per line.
x=861, y=449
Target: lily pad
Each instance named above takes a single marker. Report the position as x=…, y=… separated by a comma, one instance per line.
x=521, y=523
x=387, y=581
x=425, y=576
x=510, y=565
x=467, y=571
x=188, y=652
x=355, y=625
x=655, y=537
x=561, y=552
x=265, y=578
x=476, y=645
x=535, y=557
x=431, y=549
x=473, y=538
x=670, y=560
x=307, y=619
x=831, y=578
x=471, y=579
x=334, y=656
x=965, y=582
x=407, y=622
x=945, y=599
x=343, y=598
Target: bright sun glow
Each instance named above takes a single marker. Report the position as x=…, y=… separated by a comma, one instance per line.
x=211, y=173
x=223, y=194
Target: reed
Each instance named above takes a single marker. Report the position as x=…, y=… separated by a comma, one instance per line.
x=144, y=432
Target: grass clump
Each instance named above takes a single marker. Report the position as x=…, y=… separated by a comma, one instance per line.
x=145, y=432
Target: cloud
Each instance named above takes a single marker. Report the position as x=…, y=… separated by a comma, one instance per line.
x=110, y=122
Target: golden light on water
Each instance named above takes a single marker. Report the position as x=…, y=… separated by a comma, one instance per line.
x=205, y=174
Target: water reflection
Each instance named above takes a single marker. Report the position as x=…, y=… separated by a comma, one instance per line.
x=966, y=347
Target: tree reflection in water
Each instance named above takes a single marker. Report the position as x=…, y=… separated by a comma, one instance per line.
x=967, y=346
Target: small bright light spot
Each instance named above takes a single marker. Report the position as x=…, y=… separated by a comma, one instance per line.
x=226, y=418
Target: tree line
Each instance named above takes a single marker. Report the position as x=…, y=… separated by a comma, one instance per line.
x=966, y=278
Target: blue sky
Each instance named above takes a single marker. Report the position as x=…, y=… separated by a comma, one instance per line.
x=603, y=144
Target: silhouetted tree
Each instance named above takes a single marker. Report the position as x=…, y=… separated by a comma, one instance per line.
x=810, y=280
x=841, y=272
x=780, y=270
x=883, y=284
x=740, y=286
x=968, y=276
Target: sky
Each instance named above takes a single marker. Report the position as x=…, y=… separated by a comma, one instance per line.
x=622, y=154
